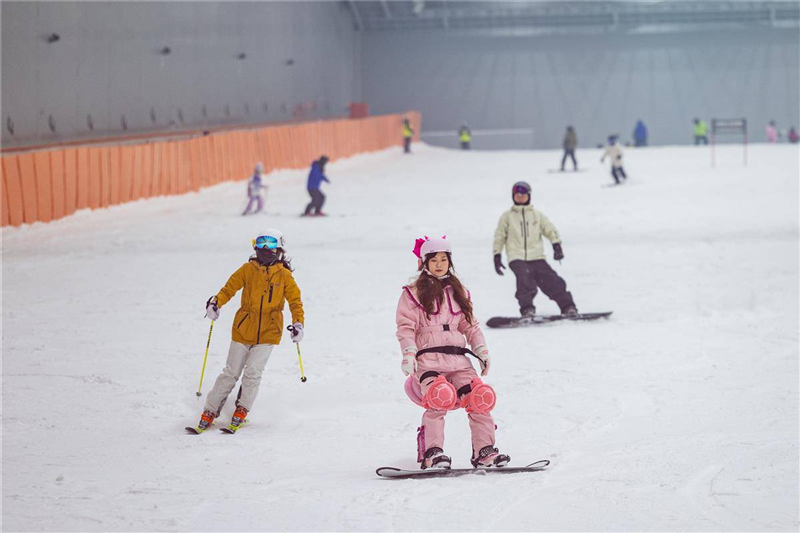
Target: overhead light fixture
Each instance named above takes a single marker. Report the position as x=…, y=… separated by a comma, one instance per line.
x=166, y=51
x=53, y=38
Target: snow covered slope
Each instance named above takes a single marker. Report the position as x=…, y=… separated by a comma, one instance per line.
x=679, y=413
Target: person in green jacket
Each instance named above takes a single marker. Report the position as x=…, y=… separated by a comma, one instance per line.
x=520, y=232
x=408, y=134
x=700, y=131
x=465, y=137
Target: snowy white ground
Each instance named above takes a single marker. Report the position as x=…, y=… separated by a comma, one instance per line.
x=679, y=413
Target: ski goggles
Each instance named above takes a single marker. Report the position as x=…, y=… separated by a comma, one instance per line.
x=519, y=189
x=266, y=241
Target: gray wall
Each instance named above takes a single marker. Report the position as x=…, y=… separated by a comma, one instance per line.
x=598, y=83
x=108, y=64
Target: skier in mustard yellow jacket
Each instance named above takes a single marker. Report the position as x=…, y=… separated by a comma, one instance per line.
x=267, y=284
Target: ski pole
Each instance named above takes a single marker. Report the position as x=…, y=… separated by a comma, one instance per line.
x=203, y=372
x=303, y=377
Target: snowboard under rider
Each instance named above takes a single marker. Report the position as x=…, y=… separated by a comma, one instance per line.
x=267, y=284
x=520, y=232
x=435, y=320
x=254, y=188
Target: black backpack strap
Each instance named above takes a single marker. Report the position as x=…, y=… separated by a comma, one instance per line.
x=449, y=350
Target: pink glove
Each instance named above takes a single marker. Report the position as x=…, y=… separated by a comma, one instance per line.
x=409, y=364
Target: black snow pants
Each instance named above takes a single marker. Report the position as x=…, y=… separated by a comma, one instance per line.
x=317, y=199
x=538, y=274
x=616, y=172
x=407, y=145
x=569, y=153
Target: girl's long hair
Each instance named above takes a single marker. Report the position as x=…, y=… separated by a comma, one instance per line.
x=430, y=291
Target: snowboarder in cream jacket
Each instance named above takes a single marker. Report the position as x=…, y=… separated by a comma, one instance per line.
x=520, y=232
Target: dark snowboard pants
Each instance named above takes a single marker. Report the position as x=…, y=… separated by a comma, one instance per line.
x=407, y=145
x=538, y=274
x=317, y=199
x=569, y=153
x=617, y=172
x=464, y=145
x=700, y=139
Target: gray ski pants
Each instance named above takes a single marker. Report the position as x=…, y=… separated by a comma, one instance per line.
x=241, y=357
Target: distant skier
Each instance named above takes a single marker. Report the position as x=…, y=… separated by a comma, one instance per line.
x=254, y=188
x=640, y=134
x=700, y=132
x=267, y=283
x=465, y=137
x=315, y=178
x=520, y=232
x=772, y=132
x=614, y=152
x=792, y=136
x=435, y=320
x=570, y=143
x=408, y=134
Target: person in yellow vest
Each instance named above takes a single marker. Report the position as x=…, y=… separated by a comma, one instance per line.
x=700, y=131
x=408, y=134
x=465, y=137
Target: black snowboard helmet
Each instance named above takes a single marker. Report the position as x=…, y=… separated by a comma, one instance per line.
x=521, y=187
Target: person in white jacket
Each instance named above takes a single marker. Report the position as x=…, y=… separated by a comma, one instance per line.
x=520, y=232
x=614, y=152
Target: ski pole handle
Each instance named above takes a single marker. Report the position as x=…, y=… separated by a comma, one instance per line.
x=303, y=377
x=203, y=372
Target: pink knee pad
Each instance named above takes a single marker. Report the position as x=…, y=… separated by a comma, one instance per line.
x=441, y=395
x=481, y=399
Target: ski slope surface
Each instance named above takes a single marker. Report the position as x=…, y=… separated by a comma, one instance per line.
x=680, y=413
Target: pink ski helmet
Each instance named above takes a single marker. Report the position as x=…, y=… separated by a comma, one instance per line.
x=423, y=247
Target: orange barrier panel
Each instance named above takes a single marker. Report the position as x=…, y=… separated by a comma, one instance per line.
x=94, y=177
x=70, y=181
x=105, y=177
x=82, y=198
x=4, y=218
x=27, y=178
x=113, y=175
x=126, y=154
x=152, y=189
x=57, y=182
x=13, y=190
x=44, y=186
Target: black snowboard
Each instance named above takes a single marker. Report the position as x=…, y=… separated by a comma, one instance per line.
x=398, y=473
x=521, y=322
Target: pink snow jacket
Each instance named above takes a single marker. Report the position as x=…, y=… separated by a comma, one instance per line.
x=445, y=327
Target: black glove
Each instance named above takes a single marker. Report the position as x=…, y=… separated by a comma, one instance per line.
x=498, y=265
x=558, y=253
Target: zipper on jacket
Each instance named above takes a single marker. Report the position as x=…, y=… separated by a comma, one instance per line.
x=260, y=308
x=242, y=320
x=525, y=234
x=270, y=293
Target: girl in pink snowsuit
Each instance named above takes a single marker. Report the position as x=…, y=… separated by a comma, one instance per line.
x=434, y=323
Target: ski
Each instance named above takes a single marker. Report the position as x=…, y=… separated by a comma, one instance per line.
x=231, y=429
x=519, y=322
x=195, y=430
x=399, y=473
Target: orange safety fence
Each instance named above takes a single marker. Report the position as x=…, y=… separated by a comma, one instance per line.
x=48, y=184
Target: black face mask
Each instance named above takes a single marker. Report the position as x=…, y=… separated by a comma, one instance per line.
x=266, y=256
